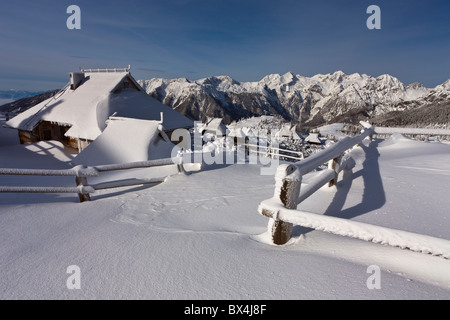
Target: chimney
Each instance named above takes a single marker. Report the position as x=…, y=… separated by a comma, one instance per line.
x=75, y=79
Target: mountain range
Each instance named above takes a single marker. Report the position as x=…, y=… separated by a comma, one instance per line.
x=25, y=100
x=16, y=94
x=305, y=101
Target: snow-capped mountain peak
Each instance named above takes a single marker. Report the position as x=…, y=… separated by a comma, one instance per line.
x=300, y=99
x=443, y=87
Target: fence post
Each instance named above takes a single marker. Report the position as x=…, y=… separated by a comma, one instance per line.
x=334, y=165
x=287, y=188
x=180, y=168
x=82, y=182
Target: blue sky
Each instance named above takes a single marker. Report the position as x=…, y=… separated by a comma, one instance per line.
x=245, y=39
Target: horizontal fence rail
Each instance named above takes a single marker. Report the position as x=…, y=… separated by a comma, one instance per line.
x=282, y=211
x=106, y=70
x=409, y=131
x=82, y=190
x=413, y=131
x=74, y=172
x=81, y=173
x=359, y=230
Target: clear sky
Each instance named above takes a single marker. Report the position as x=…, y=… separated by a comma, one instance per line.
x=245, y=39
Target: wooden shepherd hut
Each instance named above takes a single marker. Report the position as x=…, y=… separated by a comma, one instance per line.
x=77, y=115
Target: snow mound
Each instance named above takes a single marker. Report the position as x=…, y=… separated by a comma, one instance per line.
x=396, y=139
x=126, y=140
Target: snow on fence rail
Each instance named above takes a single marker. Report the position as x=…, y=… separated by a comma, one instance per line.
x=410, y=131
x=360, y=230
x=282, y=211
x=106, y=70
x=269, y=151
x=414, y=131
x=81, y=173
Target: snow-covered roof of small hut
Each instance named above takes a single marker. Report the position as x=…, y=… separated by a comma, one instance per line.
x=126, y=140
x=285, y=130
x=235, y=131
x=87, y=107
x=215, y=126
x=245, y=127
x=288, y=130
x=334, y=129
x=313, y=138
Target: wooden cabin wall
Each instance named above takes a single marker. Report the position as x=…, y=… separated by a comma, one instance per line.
x=51, y=131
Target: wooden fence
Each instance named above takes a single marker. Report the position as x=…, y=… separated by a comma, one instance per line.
x=282, y=211
x=288, y=180
x=81, y=174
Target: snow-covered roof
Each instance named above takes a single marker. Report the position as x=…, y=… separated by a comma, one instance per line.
x=295, y=135
x=113, y=145
x=250, y=127
x=216, y=126
x=313, y=138
x=86, y=108
x=285, y=131
x=236, y=132
x=334, y=129
x=288, y=131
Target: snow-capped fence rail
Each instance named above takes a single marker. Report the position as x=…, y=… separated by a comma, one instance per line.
x=288, y=180
x=413, y=131
x=282, y=211
x=408, y=131
x=274, y=152
x=75, y=171
x=106, y=70
x=360, y=230
x=81, y=173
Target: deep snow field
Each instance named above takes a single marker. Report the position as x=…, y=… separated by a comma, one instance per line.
x=199, y=236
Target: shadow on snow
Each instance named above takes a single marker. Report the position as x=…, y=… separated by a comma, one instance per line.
x=373, y=194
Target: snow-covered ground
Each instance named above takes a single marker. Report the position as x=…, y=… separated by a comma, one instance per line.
x=199, y=236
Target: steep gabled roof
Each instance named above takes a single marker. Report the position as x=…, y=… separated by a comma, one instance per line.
x=86, y=108
x=295, y=134
x=285, y=130
x=313, y=138
x=215, y=126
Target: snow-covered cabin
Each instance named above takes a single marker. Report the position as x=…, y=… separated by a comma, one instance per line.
x=313, y=138
x=289, y=132
x=215, y=127
x=77, y=115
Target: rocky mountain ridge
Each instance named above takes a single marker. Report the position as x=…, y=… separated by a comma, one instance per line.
x=306, y=101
